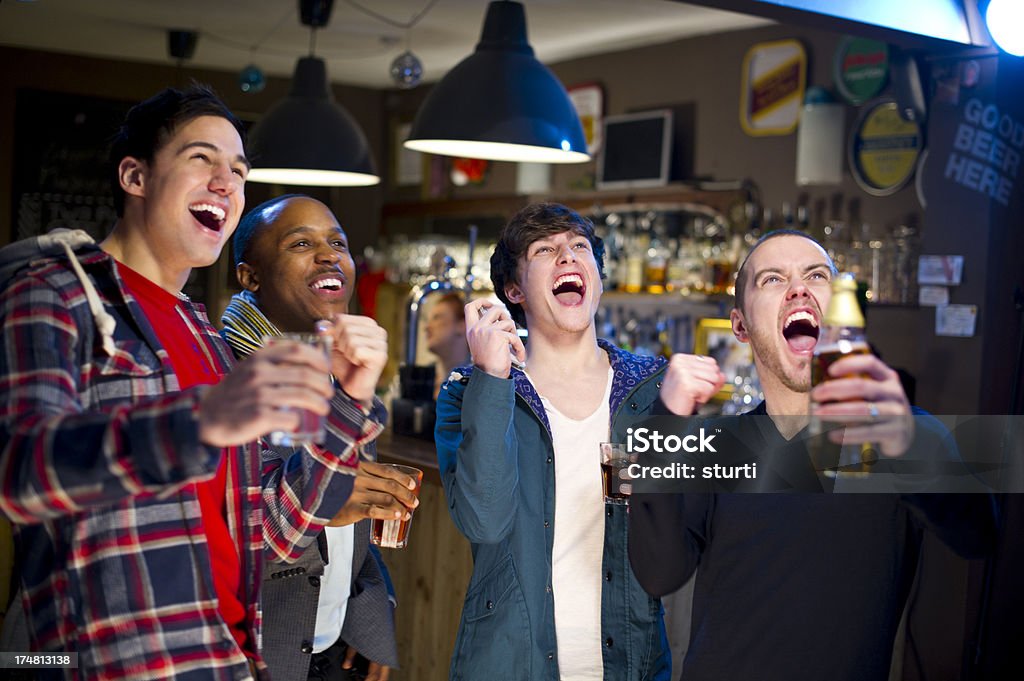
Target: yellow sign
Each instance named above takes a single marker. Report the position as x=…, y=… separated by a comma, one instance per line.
x=773, y=87
x=884, y=149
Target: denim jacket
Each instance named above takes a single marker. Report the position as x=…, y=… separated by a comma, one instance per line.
x=497, y=464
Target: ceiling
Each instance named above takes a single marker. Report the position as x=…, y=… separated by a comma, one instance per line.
x=359, y=48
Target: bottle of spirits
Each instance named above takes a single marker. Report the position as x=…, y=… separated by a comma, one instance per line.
x=655, y=268
x=636, y=251
x=675, y=272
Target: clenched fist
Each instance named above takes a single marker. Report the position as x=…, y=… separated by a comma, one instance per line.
x=359, y=352
x=690, y=380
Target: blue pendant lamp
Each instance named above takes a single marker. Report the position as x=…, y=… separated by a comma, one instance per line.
x=500, y=103
x=308, y=139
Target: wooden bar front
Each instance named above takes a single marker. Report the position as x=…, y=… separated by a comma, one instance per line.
x=431, y=574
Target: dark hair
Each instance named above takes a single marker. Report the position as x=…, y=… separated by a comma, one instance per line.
x=149, y=124
x=536, y=221
x=742, y=275
x=254, y=221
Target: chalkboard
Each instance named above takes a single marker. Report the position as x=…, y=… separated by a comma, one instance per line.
x=60, y=162
x=61, y=170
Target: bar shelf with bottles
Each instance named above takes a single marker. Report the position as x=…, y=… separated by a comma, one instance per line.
x=695, y=251
x=666, y=267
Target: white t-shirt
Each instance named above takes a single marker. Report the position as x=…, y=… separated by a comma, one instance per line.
x=335, y=587
x=578, y=551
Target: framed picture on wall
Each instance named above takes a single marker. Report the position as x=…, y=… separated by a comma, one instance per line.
x=715, y=338
x=588, y=99
x=407, y=169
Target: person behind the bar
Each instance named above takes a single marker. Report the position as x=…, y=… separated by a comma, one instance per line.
x=445, y=333
x=552, y=595
x=796, y=585
x=330, y=612
x=130, y=460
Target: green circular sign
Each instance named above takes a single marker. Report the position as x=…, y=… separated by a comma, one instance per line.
x=861, y=68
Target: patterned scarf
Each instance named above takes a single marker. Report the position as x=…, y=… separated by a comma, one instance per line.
x=244, y=324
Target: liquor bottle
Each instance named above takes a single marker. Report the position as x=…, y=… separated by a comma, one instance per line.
x=636, y=252
x=842, y=333
x=613, y=253
x=675, y=271
x=656, y=266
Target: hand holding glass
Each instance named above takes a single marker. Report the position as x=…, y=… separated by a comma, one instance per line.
x=394, y=533
x=311, y=428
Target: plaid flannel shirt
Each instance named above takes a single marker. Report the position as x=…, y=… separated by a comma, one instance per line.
x=98, y=450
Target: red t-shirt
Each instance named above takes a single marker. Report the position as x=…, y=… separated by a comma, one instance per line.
x=192, y=368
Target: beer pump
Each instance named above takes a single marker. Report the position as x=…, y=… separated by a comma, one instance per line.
x=412, y=412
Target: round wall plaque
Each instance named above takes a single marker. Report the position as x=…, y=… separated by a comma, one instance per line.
x=884, y=148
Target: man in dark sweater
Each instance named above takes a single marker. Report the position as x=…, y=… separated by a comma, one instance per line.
x=795, y=586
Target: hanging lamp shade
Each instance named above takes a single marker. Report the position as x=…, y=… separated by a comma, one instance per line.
x=500, y=103
x=309, y=139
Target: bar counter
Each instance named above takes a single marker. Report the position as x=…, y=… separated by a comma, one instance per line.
x=409, y=451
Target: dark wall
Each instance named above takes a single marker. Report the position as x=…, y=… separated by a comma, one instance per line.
x=129, y=82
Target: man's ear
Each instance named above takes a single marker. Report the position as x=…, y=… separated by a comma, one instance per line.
x=739, y=326
x=131, y=172
x=514, y=293
x=246, y=276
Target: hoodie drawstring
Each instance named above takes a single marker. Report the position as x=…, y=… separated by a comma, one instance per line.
x=105, y=323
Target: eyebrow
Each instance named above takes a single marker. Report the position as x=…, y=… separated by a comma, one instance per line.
x=306, y=229
x=213, y=147
x=550, y=240
x=779, y=270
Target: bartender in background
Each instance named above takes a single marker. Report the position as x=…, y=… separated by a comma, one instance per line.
x=446, y=336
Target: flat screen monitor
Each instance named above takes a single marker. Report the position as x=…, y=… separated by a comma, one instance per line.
x=637, y=150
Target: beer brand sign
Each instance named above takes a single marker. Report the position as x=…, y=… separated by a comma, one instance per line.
x=774, y=75
x=884, y=148
x=861, y=68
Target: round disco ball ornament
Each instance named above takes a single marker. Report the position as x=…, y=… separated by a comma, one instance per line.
x=251, y=79
x=406, y=70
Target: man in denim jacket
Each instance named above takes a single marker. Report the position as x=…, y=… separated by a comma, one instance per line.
x=552, y=594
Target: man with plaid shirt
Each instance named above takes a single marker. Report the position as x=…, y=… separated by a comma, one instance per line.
x=130, y=460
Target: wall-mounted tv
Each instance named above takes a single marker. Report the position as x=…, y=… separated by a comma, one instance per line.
x=637, y=150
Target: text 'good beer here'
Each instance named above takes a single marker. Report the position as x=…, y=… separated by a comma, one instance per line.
x=987, y=151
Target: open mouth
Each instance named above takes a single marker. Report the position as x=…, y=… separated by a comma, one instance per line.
x=801, y=331
x=569, y=289
x=208, y=215
x=328, y=285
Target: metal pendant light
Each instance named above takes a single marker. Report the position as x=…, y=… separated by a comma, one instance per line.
x=500, y=103
x=308, y=138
